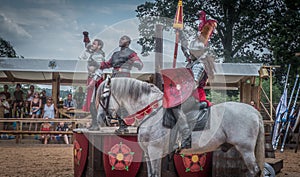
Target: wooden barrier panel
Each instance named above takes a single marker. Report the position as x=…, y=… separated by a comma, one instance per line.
x=19, y=131
x=111, y=155
x=76, y=112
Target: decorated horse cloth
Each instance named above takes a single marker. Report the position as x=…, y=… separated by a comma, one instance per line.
x=178, y=86
x=132, y=120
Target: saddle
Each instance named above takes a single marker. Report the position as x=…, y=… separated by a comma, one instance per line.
x=198, y=120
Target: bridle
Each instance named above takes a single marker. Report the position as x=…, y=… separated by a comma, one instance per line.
x=104, y=101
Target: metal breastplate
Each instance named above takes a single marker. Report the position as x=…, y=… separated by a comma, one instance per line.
x=120, y=58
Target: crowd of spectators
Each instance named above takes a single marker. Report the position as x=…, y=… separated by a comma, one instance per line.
x=30, y=103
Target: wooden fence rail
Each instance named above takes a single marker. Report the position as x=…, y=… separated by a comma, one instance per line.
x=18, y=132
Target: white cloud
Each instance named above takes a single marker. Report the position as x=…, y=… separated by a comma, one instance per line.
x=53, y=29
x=10, y=27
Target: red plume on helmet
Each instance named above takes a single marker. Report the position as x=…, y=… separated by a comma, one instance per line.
x=206, y=27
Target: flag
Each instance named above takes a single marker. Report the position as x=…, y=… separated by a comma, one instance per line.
x=178, y=20
x=281, y=109
x=282, y=106
x=177, y=25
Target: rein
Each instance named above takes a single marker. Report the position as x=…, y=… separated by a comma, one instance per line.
x=105, y=107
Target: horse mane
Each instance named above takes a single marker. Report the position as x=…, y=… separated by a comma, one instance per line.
x=129, y=86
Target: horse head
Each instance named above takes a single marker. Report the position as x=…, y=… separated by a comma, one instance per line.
x=129, y=94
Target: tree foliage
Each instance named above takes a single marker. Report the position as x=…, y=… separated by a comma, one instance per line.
x=285, y=39
x=242, y=31
x=6, y=49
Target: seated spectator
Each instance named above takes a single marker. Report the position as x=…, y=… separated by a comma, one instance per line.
x=30, y=93
x=46, y=126
x=79, y=97
x=27, y=110
x=43, y=98
x=18, y=102
x=35, y=108
x=62, y=127
x=1, y=108
x=70, y=104
x=4, y=105
x=35, y=105
x=252, y=103
x=50, y=111
x=30, y=96
x=6, y=93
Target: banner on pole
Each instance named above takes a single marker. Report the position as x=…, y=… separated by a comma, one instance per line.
x=178, y=20
x=282, y=105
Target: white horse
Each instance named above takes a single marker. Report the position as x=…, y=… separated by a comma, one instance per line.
x=231, y=124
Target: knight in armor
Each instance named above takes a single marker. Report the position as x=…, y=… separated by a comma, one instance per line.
x=122, y=62
x=201, y=63
x=94, y=54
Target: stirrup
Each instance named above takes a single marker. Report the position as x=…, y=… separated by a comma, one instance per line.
x=186, y=144
x=122, y=127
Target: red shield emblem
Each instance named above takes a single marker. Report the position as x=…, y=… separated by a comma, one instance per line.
x=80, y=152
x=178, y=86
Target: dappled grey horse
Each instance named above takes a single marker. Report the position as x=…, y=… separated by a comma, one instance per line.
x=231, y=124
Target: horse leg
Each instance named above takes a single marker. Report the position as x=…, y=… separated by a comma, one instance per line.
x=148, y=162
x=153, y=167
x=93, y=111
x=155, y=152
x=250, y=161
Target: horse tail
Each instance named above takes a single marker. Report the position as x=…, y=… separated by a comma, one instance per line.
x=260, y=146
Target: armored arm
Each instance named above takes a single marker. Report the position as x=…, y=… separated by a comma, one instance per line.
x=198, y=71
x=97, y=74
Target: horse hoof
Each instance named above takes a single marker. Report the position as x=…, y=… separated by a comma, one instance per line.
x=122, y=131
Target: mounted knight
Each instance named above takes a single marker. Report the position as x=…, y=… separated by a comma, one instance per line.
x=200, y=68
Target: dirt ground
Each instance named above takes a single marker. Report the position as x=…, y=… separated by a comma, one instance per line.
x=36, y=160
x=291, y=163
x=56, y=160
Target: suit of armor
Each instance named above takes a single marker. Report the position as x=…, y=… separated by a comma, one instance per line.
x=122, y=62
x=93, y=57
x=200, y=78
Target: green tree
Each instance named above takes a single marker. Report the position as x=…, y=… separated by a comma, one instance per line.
x=242, y=25
x=6, y=50
x=285, y=38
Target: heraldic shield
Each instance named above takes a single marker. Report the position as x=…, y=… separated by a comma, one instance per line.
x=178, y=86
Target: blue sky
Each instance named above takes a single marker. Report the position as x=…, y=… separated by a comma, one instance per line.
x=53, y=28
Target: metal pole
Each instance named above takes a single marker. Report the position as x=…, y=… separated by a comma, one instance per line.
x=285, y=115
x=176, y=48
x=290, y=118
x=158, y=55
x=277, y=129
x=271, y=94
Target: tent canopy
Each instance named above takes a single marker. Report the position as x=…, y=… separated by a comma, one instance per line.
x=74, y=72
